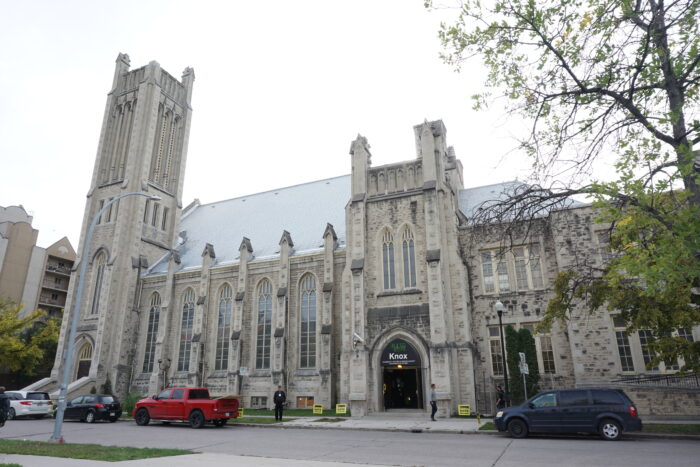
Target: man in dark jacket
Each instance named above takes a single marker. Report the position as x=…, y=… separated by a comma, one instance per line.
x=4, y=406
x=279, y=399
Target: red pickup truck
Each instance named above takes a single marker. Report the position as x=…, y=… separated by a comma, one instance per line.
x=186, y=404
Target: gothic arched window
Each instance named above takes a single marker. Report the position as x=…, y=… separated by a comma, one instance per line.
x=151, y=333
x=409, y=259
x=186, y=324
x=307, y=346
x=264, y=334
x=388, y=260
x=98, y=268
x=223, y=330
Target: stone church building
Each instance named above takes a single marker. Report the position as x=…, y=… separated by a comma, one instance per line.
x=361, y=289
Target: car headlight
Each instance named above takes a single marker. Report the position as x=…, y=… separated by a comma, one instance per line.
x=499, y=414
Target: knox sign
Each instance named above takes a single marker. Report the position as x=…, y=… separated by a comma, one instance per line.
x=400, y=352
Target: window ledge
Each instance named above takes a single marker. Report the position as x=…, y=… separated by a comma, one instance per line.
x=389, y=293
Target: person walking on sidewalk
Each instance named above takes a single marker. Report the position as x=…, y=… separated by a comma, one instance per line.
x=4, y=406
x=500, y=398
x=279, y=399
x=433, y=401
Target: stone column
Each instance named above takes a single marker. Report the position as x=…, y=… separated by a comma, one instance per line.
x=278, y=365
x=235, y=378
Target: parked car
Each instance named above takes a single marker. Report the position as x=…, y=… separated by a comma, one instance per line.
x=186, y=404
x=93, y=407
x=608, y=412
x=28, y=404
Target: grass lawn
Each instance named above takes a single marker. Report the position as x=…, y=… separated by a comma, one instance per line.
x=487, y=426
x=295, y=413
x=10, y=465
x=671, y=428
x=84, y=451
x=259, y=420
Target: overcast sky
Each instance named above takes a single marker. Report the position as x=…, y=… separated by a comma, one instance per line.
x=281, y=89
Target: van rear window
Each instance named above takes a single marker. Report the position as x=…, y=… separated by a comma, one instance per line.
x=607, y=398
x=37, y=396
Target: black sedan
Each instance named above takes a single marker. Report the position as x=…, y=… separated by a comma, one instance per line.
x=92, y=407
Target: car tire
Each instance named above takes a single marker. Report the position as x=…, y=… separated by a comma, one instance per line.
x=517, y=428
x=90, y=416
x=142, y=417
x=197, y=419
x=113, y=419
x=11, y=414
x=610, y=430
x=220, y=422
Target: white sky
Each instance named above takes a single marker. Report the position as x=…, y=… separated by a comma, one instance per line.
x=281, y=89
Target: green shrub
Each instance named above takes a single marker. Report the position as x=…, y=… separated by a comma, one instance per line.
x=130, y=401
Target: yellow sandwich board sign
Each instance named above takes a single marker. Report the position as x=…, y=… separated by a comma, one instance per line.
x=318, y=409
x=464, y=409
x=341, y=408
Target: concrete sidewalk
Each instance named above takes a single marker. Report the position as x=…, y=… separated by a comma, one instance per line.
x=200, y=460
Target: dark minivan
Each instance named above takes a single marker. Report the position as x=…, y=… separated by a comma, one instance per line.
x=607, y=412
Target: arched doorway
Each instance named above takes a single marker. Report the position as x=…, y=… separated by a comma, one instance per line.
x=84, y=360
x=402, y=382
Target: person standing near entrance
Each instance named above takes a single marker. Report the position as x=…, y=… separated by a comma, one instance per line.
x=433, y=401
x=279, y=399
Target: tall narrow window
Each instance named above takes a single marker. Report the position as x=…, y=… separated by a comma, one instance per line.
x=547, y=353
x=535, y=267
x=98, y=268
x=503, y=279
x=496, y=354
x=151, y=333
x=308, y=322
x=99, y=208
x=645, y=338
x=164, y=219
x=262, y=358
x=183, y=359
x=154, y=216
x=409, y=259
x=145, y=211
x=623, y=344
x=521, y=282
x=487, y=271
x=388, y=260
x=108, y=214
x=223, y=330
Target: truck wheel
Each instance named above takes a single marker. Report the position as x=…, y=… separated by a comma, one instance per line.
x=197, y=419
x=142, y=417
x=220, y=422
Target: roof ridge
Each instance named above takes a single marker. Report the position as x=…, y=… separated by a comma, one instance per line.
x=275, y=189
x=493, y=184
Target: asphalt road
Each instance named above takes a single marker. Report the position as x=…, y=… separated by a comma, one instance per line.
x=376, y=447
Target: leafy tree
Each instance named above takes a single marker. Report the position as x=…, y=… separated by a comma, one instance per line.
x=601, y=79
x=25, y=341
x=516, y=342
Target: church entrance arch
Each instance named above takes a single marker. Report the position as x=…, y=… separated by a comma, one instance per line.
x=402, y=382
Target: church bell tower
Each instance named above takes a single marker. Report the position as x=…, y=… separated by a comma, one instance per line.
x=142, y=147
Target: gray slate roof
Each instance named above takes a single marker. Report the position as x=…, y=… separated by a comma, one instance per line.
x=302, y=210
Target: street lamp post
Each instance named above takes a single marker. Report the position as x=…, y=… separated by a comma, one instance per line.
x=499, y=309
x=68, y=356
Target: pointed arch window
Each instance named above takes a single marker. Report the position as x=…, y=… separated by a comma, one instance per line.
x=308, y=322
x=388, y=260
x=84, y=360
x=223, y=330
x=151, y=333
x=264, y=334
x=99, y=272
x=409, y=259
x=186, y=324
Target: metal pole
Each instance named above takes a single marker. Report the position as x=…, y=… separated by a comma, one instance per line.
x=503, y=355
x=524, y=386
x=68, y=356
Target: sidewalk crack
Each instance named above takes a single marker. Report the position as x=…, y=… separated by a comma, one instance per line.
x=505, y=448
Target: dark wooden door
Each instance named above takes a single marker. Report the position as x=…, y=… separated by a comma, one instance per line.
x=83, y=368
